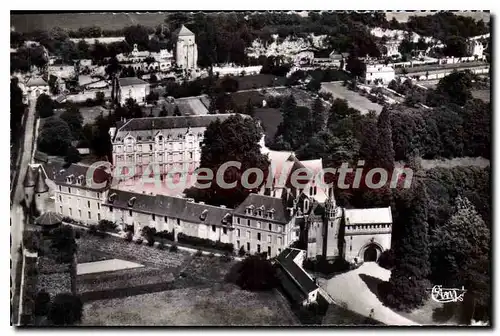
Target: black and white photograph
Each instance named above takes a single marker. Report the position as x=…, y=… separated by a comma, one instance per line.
x=246, y=168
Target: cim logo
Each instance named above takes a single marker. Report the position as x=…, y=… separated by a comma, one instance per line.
x=446, y=295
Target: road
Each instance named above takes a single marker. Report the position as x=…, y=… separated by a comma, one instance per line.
x=352, y=289
x=16, y=211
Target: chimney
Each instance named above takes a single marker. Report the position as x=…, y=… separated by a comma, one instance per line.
x=201, y=203
x=223, y=206
x=190, y=200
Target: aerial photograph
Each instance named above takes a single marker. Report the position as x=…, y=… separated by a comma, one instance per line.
x=250, y=168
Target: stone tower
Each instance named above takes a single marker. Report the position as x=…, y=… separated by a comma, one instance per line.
x=332, y=227
x=186, y=50
x=41, y=191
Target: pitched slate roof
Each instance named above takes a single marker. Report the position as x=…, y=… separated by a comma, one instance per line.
x=31, y=177
x=127, y=81
x=58, y=173
x=41, y=186
x=299, y=276
x=48, y=219
x=268, y=203
x=36, y=82
x=368, y=216
x=174, y=207
x=183, y=31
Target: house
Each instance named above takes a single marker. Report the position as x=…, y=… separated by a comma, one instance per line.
x=62, y=71
x=35, y=86
x=132, y=87
x=171, y=143
x=296, y=282
x=379, y=73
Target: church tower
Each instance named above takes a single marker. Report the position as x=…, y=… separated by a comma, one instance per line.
x=332, y=230
x=186, y=50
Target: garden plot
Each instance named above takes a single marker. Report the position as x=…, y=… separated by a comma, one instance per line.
x=219, y=305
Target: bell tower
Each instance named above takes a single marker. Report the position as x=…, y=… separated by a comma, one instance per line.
x=332, y=238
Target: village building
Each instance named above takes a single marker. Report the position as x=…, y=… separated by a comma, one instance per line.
x=186, y=50
x=379, y=73
x=296, y=282
x=35, y=86
x=171, y=143
x=131, y=87
x=475, y=48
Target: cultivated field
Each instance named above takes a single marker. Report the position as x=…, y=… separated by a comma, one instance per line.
x=221, y=304
x=73, y=21
x=355, y=100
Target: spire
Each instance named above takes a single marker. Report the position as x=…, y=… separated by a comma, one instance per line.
x=41, y=186
x=30, y=177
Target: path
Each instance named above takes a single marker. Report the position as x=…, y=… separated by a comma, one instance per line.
x=352, y=289
x=16, y=211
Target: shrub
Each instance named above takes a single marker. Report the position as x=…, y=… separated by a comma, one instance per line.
x=139, y=241
x=339, y=265
x=161, y=245
x=149, y=234
x=226, y=257
x=106, y=226
x=66, y=309
x=386, y=259
x=165, y=235
x=256, y=274
x=173, y=248
x=211, y=255
x=241, y=252
x=42, y=303
x=93, y=229
x=183, y=238
x=198, y=253
x=129, y=228
x=128, y=236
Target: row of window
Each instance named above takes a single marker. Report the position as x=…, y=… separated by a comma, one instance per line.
x=89, y=213
x=78, y=202
x=258, y=236
x=372, y=226
x=149, y=157
x=258, y=224
x=149, y=148
x=81, y=192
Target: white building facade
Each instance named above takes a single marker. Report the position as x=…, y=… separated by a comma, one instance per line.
x=186, y=50
x=379, y=73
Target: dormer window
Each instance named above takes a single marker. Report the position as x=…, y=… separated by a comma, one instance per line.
x=139, y=138
x=160, y=138
x=131, y=201
x=270, y=214
x=203, y=215
x=111, y=197
x=69, y=179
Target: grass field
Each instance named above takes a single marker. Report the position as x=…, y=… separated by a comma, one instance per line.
x=484, y=95
x=270, y=118
x=259, y=81
x=221, y=304
x=354, y=99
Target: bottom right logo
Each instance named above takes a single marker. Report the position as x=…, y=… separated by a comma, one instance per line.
x=446, y=295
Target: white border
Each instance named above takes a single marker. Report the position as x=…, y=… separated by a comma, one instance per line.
x=195, y=6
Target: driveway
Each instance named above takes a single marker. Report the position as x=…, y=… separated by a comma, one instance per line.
x=355, y=288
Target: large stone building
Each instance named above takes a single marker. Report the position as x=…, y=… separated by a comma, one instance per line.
x=171, y=143
x=379, y=73
x=186, y=50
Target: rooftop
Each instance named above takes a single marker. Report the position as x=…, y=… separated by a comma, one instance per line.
x=38, y=81
x=183, y=31
x=267, y=203
x=300, y=277
x=48, y=219
x=59, y=173
x=368, y=216
x=128, y=81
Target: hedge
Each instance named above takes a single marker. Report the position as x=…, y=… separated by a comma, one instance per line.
x=183, y=238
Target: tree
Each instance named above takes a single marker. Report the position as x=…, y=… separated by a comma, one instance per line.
x=17, y=108
x=66, y=309
x=152, y=97
x=460, y=253
x=249, y=108
x=63, y=243
x=42, y=303
x=137, y=35
x=163, y=111
x=44, y=106
x=385, y=151
x=318, y=116
x=355, y=66
x=408, y=285
x=55, y=137
x=99, y=97
x=53, y=85
x=72, y=155
x=153, y=78
x=73, y=117
x=456, y=87
x=234, y=139
x=256, y=274
x=456, y=46
x=177, y=112
x=229, y=84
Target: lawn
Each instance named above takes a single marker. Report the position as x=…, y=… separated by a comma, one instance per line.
x=354, y=99
x=270, y=118
x=434, y=313
x=221, y=304
x=482, y=94
x=259, y=81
